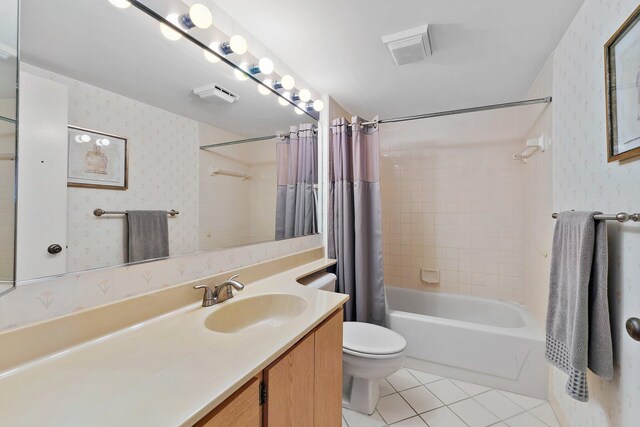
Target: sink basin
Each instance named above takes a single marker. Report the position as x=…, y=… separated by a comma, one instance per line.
x=255, y=314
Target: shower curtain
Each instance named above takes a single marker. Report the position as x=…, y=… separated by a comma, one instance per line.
x=355, y=219
x=297, y=174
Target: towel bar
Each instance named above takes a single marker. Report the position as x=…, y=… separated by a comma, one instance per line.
x=100, y=212
x=620, y=217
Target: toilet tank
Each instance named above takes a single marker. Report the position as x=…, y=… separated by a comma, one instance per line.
x=320, y=280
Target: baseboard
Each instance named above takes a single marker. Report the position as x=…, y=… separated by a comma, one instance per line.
x=555, y=403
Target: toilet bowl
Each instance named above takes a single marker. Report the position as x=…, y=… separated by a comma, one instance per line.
x=369, y=353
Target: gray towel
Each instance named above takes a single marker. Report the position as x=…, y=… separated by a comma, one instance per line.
x=578, y=328
x=148, y=235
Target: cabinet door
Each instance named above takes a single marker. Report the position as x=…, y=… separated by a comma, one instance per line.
x=241, y=409
x=328, y=372
x=290, y=387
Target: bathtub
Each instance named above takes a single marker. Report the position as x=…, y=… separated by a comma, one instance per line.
x=483, y=341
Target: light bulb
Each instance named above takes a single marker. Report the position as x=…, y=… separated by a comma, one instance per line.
x=105, y=142
x=210, y=56
x=238, y=45
x=300, y=108
x=85, y=138
x=282, y=101
x=120, y=4
x=318, y=105
x=239, y=74
x=200, y=15
x=169, y=32
x=263, y=90
x=266, y=66
x=288, y=82
x=304, y=95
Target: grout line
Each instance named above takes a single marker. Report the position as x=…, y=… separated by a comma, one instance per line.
x=522, y=410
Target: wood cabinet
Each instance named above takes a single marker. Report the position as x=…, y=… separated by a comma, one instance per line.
x=328, y=373
x=302, y=388
x=290, y=387
x=241, y=409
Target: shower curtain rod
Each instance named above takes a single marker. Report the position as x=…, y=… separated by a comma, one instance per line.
x=546, y=100
x=279, y=136
x=242, y=141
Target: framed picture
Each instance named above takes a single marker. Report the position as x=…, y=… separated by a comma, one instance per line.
x=96, y=160
x=622, y=80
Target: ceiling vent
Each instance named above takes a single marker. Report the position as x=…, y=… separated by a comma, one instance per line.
x=216, y=91
x=409, y=46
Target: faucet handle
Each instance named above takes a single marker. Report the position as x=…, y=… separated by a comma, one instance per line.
x=233, y=277
x=207, y=299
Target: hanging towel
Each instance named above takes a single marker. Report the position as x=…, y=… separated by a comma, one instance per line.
x=578, y=328
x=148, y=235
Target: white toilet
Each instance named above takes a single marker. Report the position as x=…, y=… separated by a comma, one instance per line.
x=369, y=353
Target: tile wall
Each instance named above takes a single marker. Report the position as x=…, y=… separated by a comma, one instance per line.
x=456, y=208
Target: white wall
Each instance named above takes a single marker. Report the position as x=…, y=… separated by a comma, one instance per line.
x=583, y=180
x=7, y=195
x=538, y=188
x=235, y=211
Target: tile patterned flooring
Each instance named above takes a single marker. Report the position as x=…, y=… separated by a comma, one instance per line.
x=413, y=398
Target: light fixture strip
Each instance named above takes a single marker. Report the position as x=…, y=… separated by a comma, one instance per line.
x=152, y=13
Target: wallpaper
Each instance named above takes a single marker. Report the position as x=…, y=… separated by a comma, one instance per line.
x=583, y=180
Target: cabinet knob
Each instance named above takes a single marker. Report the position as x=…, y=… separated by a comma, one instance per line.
x=633, y=328
x=54, y=249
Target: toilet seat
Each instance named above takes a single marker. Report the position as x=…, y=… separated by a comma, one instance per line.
x=371, y=341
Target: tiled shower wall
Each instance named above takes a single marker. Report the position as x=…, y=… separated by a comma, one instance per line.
x=456, y=208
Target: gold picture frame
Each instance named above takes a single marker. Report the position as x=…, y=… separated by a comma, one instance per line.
x=97, y=160
x=622, y=90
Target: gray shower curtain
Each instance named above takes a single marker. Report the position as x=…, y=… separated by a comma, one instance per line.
x=355, y=219
x=297, y=170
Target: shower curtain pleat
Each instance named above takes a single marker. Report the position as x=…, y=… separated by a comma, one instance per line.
x=297, y=172
x=355, y=220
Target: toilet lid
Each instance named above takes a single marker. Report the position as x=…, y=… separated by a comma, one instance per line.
x=371, y=339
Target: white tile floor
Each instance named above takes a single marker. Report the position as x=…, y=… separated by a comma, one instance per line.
x=412, y=398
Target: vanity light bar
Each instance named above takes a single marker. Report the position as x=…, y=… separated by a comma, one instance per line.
x=175, y=26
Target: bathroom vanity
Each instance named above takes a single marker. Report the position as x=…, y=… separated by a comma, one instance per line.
x=301, y=388
x=162, y=359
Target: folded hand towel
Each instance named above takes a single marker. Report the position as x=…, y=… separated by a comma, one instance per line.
x=578, y=326
x=148, y=235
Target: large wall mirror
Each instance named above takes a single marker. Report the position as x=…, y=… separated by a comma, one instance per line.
x=119, y=113
x=8, y=116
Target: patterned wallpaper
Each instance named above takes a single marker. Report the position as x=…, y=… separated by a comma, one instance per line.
x=583, y=180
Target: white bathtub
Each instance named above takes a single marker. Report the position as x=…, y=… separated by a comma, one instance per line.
x=483, y=341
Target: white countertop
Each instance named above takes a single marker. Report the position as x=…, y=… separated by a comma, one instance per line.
x=167, y=371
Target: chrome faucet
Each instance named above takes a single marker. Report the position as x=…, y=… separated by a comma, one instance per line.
x=221, y=293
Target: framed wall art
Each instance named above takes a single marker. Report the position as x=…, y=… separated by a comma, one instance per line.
x=96, y=160
x=622, y=80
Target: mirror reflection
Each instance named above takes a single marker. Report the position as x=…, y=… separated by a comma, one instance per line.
x=119, y=132
x=8, y=74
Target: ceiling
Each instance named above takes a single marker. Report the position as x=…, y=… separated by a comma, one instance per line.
x=124, y=52
x=484, y=52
